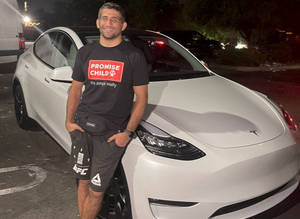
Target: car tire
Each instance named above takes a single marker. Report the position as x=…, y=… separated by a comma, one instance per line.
x=116, y=202
x=20, y=109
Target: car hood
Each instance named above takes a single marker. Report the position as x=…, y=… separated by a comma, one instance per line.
x=215, y=111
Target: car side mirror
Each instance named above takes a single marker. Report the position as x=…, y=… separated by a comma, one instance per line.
x=63, y=74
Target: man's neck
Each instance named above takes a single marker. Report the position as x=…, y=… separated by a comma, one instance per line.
x=110, y=43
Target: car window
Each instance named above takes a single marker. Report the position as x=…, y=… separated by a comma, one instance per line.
x=162, y=55
x=65, y=51
x=56, y=49
x=44, y=48
x=166, y=59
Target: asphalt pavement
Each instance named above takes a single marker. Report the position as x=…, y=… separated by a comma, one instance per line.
x=35, y=177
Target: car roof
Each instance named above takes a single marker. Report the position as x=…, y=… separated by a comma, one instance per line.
x=181, y=32
x=86, y=30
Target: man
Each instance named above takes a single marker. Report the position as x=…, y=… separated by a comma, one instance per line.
x=113, y=71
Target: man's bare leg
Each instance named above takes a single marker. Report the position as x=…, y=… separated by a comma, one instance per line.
x=92, y=204
x=82, y=193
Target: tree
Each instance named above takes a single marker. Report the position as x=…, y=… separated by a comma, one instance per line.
x=252, y=19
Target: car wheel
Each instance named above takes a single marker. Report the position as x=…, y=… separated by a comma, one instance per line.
x=20, y=109
x=116, y=202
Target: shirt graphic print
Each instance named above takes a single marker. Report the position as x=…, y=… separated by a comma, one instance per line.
x=105, y=70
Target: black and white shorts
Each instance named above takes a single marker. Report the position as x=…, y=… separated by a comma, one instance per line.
x=94, y=159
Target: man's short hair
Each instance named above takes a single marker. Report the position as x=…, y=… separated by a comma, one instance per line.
x=115, y=6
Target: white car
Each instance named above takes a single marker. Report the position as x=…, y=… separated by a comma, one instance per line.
x=207, y=147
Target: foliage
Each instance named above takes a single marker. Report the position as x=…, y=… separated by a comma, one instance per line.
x=137, y=16
x=253, y=19
x=155, y=14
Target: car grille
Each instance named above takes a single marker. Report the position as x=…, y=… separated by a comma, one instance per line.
x=245, y=204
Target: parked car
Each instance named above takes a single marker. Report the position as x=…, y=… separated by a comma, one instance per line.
x=12, y=41
x=207, y=147
x=195, y=42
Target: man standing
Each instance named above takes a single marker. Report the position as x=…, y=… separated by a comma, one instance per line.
x=113, y=71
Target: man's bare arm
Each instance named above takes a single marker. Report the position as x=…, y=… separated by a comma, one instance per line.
x=141, y=93
x=72, y=104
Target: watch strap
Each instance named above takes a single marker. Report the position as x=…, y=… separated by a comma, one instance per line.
x=128, y=132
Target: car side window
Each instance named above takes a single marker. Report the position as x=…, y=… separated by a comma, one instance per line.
x=65, y=51
x=44, y=48
x=161, y=55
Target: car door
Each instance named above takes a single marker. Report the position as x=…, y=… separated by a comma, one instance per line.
x=64, y=55
x=52, y=94
x=37, y=83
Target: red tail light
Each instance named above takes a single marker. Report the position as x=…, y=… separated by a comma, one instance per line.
x=159, y=42
x=21, y=41
x=288, y=118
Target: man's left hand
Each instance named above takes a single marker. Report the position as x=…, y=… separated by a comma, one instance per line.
x=121, y=139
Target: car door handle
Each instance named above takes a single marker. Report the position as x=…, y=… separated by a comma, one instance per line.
x=47, y=80
x=26, y=66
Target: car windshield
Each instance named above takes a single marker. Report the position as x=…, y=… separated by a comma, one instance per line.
x=166, y=59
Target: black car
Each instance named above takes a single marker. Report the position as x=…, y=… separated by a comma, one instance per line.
x=199, y=45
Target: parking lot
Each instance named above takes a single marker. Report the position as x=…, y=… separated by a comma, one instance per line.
x=35, y=178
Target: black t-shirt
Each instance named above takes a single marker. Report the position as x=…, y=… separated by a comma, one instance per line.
x=109, y=74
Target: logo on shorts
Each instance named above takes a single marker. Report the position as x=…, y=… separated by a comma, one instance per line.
x=96, y=180
x=106, y=70
x=80, y=158
x=80, y=170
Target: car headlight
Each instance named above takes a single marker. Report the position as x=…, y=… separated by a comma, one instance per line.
x=162, y=144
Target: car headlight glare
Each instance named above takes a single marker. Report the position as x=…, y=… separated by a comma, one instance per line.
x=162, y=144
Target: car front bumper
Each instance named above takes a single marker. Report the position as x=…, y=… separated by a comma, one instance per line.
x=226, y=183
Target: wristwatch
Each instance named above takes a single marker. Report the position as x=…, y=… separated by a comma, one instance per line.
x=129, y=133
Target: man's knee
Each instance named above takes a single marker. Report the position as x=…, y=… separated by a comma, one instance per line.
x=83, y=183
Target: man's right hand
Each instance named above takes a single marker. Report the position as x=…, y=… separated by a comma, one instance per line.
x=71, y=126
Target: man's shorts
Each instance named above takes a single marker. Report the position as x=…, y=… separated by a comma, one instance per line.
x=94, y=159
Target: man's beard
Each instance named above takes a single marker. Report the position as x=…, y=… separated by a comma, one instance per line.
x=110, y=37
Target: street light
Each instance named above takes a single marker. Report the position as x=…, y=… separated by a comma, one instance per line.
x=26, y=19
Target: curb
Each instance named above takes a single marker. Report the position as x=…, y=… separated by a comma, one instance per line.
x=279, y=88
x=266, y=67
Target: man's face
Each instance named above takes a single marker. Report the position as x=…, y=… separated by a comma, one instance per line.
x=110, y=24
